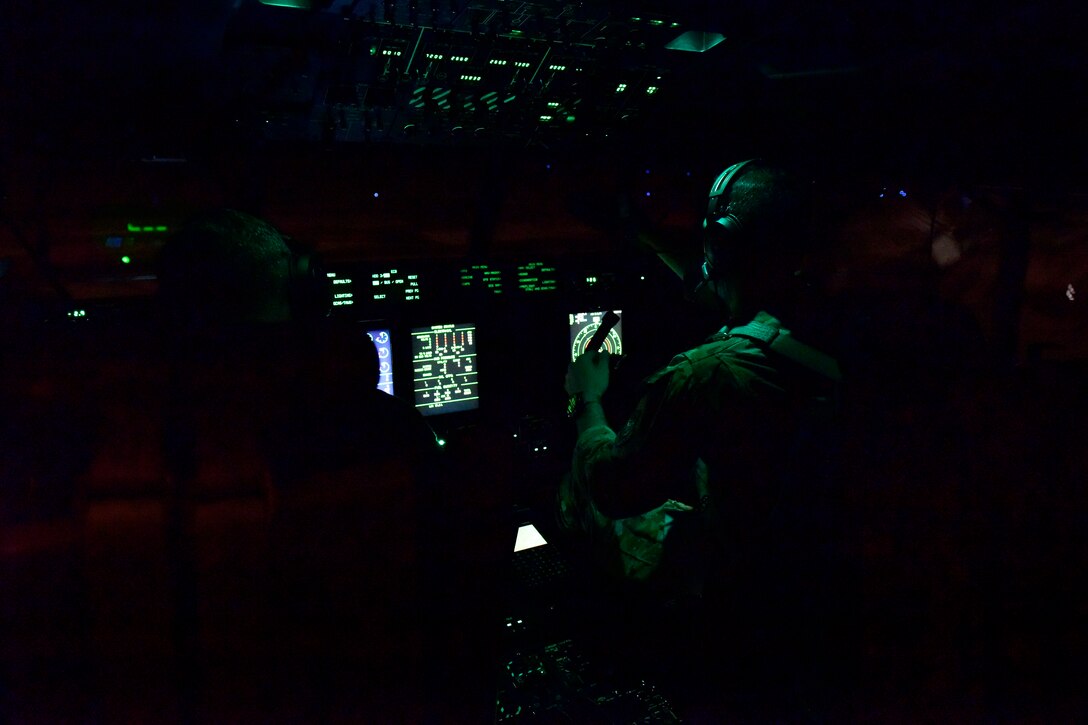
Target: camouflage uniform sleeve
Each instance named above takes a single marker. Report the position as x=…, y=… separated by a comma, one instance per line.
x=652, y=456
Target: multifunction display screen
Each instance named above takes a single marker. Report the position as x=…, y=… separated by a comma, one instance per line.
x=582, y=327
x=444, y=368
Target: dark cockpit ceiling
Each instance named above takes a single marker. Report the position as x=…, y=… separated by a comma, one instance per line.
x=162, y=79
x=453, y=128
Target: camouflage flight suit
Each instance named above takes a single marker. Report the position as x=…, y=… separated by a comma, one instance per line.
x=708, y=433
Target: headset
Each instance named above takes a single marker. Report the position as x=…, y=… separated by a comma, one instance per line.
x=308, y=284
x=720, y=229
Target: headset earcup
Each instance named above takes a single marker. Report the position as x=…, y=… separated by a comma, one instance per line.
x=719, y=240
x=720, y=231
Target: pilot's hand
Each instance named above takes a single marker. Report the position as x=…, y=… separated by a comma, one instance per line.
x=588, y=375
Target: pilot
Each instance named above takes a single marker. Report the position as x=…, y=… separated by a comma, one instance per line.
x=267, y=388
x=694, y=502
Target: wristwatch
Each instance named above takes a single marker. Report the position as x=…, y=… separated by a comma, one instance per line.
x=577, y=403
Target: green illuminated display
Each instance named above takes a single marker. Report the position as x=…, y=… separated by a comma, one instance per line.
x=342, y=296
x=484, y=276
x=395, y=285
x=126, y=259
x=651, y=90
x=77, y=314
x=621, y=88
x=137, y=228
x=537, y=277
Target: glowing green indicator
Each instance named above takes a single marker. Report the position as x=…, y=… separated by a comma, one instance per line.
x=301, y=4
x=571, y=119
x=126, y=259
x=77, y=313
x=440, y=442
x=651, y=90
x=135, y=228
x=621, y=88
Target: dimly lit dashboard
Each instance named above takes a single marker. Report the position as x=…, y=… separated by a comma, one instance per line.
x=395, y=284
x=468, y=341
x=469, y=338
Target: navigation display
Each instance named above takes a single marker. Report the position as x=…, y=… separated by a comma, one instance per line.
x=582, y=327
x=384, y=344
x=444, y=368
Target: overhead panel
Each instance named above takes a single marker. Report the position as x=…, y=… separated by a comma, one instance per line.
x=442, y=72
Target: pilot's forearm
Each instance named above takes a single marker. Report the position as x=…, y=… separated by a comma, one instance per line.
x=592, y=415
